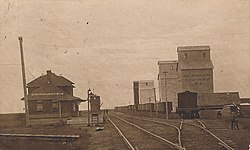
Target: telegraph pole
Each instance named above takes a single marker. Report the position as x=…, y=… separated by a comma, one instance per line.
x=88, y=106
x=156, y=108
x=165, y=73
x=151, y=109
x=24, y=82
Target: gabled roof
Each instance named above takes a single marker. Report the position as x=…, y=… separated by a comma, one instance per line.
x=193, y=48
x=51, y=93
x=196, y=65
x=51, y=78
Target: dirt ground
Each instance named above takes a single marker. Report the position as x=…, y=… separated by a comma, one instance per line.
x=89, y=137
x=107, y=139
x=14, y=123
x=242, y=136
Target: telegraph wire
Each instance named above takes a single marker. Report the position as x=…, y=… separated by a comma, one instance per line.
x=30, y=72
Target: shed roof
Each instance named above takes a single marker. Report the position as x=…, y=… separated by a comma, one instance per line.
x=167, y=62
x=245, y=100
x=51, y=92
x=196, y=65
x=193, y=48
x=146, y=81
x=206, y=99
x=54, y=79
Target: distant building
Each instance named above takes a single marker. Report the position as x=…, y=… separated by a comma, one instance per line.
x=196, y=69
x=169, y=81
x=51, y=97
x=217, y=100
x=245, y=106
x=144, y=92
x=245, y=100
x=193, y=71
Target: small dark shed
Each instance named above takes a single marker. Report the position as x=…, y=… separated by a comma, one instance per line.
x=95, y=103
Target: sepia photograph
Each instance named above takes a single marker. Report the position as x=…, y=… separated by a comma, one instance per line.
x=125, y=75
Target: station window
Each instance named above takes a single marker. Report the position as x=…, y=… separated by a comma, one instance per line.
x=146, y=83
x=185, y=55
x=39, y=106
x=204, y=55
x=55, y=106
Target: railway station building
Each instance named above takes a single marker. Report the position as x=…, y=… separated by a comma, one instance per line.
x=50, y=99
x=144, y=92
x=193, y=71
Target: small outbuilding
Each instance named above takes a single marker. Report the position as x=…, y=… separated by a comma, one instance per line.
x=95, y=109
x=217, y=100
x=95, y=104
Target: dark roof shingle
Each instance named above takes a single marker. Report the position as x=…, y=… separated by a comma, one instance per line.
x=55, y=80
x=206, y=99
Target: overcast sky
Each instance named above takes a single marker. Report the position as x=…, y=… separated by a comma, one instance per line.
x=111, y=43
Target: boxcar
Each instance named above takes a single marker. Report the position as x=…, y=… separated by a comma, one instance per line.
x=187, y=105
x=161, y=107
x=149, y=106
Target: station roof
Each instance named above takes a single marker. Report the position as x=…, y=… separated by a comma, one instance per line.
x=196, y=65
x=193, y=48
x=50, y=78
x=51, y=93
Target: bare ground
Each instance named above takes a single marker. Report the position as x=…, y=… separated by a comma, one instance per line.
x=89, y=137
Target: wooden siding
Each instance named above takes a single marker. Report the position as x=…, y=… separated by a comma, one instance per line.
x=67, y=109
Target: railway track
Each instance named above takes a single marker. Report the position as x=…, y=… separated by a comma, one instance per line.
x=192, y=134
x=192, y=129
x=137, y=137
x=222, y=130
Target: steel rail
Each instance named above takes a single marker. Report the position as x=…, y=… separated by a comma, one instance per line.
x=152, y=134
x=201, y=123
x=173, y=126
x=130, y=146
x=221, y=141
x=203, y=127
x=181, y=125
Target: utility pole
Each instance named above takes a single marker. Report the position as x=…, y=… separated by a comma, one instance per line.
x=24, y=82
x=88, y=106
x=165, y=73
x=151, y=109
x=156, y=108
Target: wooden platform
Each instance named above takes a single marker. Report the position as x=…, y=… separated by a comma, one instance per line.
x=40, y=135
